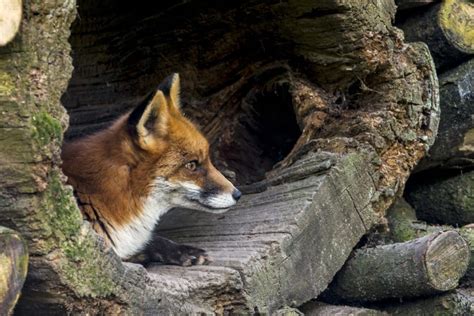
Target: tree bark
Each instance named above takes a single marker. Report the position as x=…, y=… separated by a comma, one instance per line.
x=458, y=302
x=404, y=226
x=449, y=200
x=445, y=27
x=454, y=145
x=13, y=268
x=424, y=266
x=360, y=119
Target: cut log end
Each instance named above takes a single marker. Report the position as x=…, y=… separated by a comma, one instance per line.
x=447, y=259
x=455, y=19
x=10, y=17
x=423, y=266
x=13, y=268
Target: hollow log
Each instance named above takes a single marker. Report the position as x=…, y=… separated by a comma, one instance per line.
x=447, y=200
x=446, y=28
x=424, y=266
x=457, y=302
x=13, y=268
x=322, y=309
x=360, y=109
x=454, y=145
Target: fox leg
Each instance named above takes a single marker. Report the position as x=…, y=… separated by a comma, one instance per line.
x=169, y=252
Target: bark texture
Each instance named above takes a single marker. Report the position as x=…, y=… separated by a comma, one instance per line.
x=458, y=302
x=404, y=226
x=454, y=145
x=13, y=268
x=361, y=108
x=449, y=200
x=423, y=266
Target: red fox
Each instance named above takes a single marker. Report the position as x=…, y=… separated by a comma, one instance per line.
x=150, y=160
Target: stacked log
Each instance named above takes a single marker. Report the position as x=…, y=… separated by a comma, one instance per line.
x=404, y=225
x=13, y=268
x=424, y=266
x=458, y=302
x=322, y=309
x=447, y=29
x=454, y=145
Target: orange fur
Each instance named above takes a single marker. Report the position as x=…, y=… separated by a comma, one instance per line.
x=113, y=171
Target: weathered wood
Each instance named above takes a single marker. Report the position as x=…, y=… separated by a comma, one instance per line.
x=266, y=237
x=423, y=266
x=364, y=116
x=447, y=29
x=410, y=4
x=454, y=145
x=10, y=18
x=322, y=309
x=13, y=268
x=448, y=200
x=288, y=311
x=459, y=302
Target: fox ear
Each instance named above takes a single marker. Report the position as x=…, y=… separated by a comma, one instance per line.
x=171, y=88
x=149, y=120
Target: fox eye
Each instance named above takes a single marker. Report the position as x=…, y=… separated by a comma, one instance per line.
x=192, y=165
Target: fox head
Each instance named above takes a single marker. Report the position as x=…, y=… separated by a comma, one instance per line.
x=177, y=154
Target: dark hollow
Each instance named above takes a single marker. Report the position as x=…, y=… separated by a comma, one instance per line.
x=121, y=53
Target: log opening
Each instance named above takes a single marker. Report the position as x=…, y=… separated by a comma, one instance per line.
x=249, y=132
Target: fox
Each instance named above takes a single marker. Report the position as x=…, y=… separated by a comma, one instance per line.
x=150, y=160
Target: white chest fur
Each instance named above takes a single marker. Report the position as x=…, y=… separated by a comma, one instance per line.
x=132, y=237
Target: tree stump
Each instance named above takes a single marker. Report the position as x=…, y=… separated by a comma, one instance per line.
x=427, y=265
x=360, y=108
x=13, y=268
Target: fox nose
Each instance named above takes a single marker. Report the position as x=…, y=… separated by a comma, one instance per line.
x=236, y=194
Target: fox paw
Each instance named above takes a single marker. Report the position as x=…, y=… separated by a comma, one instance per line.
x=190, y=256
x=183, y=255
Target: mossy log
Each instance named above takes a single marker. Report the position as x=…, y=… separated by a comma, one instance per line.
x=357, y=120
x=13, y=268
x=420, y=267
x=447, y=29
x=458, y=302
x=454, y=145
x=322, y=309
x=446, y=200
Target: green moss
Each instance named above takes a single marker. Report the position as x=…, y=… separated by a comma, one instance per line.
x=81, y=260
x=64, y=217
x=83, y=267
x=7, y=85
x=46, y=128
